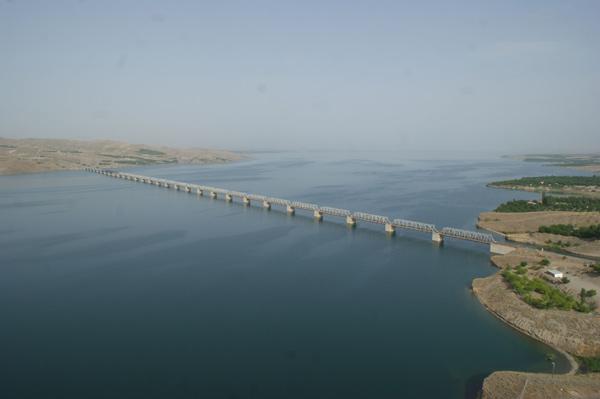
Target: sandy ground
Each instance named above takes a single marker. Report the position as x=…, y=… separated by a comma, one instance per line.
x=523, y=222
x=515, y=385
x=39, y=155
x=523, y=226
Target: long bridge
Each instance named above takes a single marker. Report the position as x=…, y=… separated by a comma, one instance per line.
x=352, y=218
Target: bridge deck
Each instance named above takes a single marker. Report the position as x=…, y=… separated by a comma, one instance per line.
x=452, y=232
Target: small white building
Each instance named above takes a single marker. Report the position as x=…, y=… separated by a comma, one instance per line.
x=555, y=273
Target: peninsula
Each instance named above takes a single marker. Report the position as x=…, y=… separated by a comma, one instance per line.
x=41, y=155
x=539, y=289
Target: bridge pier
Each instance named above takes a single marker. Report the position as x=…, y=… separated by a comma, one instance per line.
x=437, y=237
x=199, y=191
x=318, y=215
x=213, y=194
x=291, y=210
x=266, y=205
x=350, y=221
x=246, y=201
x=228, y=197
x=500, y=249
x=188, y=189
x=176, y=187
x=390, y=229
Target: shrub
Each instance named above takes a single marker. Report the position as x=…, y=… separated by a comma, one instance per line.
x=590, y=364
x=545, y=262
x=547, y=296
x=551, y=181
x=585, y=232
x=551, y=203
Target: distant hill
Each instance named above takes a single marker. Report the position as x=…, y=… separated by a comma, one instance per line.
x=587, y=162
x=38, y=155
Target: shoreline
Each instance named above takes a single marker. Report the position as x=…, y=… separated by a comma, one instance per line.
x=574, y=366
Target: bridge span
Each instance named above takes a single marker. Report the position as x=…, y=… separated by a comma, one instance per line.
x=352, y=218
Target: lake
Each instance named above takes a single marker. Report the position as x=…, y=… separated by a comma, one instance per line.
x=110, y=288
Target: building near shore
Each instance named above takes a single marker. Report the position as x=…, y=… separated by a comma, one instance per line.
x=555, y=273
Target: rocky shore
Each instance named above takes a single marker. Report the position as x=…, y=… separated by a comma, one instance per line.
x=570, y=332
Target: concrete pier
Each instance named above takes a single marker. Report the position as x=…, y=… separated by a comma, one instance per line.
x=390, y=229
x=188, y=189
x=437, y=237
x=246, y=201
x=291, y=210
x=213, y=194
x=266, y=205
x=318, y=215
x=176, y=187
x=350, y=221
x=228, y=197
x=199, y=191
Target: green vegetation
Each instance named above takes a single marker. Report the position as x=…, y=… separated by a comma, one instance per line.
x=589, y=364
x=541, y=295
x=584, y=294
x=596, y=267
x=551, y=181
x=587, y=232
x=7, y=146
x=551, y=203
x=545, y=262
x=146, y=151
x=565, y=280
x=560, y=245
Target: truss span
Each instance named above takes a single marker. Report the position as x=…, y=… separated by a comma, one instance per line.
x=452, y=232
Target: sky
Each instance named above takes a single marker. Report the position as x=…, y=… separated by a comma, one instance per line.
x=506, y=76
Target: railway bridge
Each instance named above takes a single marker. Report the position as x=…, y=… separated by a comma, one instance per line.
x=319, y=212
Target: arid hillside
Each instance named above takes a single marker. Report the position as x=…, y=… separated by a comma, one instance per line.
x=39, y=155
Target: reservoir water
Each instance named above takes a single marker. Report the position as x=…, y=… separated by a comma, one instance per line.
x=114, y=289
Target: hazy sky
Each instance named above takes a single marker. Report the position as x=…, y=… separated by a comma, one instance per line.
x=510, y=76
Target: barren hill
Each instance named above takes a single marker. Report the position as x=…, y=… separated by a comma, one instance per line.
x=38, y=155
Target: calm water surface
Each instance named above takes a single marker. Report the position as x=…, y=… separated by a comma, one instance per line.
x=114, y=289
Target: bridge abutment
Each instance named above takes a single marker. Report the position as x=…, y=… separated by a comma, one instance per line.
x=500, y=249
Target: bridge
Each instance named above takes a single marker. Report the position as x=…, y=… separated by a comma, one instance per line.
x=352, y=218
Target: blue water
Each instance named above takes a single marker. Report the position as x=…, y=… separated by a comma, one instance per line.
x=110, y=288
